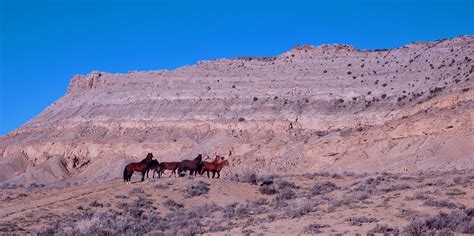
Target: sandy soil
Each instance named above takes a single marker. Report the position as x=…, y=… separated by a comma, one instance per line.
x=288, y=205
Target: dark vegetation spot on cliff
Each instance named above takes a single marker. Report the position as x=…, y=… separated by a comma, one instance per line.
x=255, y=99
x=241, y=119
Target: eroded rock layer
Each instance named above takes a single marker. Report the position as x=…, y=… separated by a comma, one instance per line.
x=330, y=107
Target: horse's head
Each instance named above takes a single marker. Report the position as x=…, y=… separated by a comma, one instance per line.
x=224, y=163
x=149, y=157
x=198, y=158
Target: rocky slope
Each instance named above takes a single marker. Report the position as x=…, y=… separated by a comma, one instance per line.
x=330, y=107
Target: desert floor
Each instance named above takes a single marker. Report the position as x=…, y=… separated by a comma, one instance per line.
x=247, y=204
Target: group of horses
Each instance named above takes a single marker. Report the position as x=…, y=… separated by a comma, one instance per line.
x=195, y=166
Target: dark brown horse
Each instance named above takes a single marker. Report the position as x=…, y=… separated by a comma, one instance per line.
x=194, y=166
x=169, y=166
x=210, y=167
x=141, y=166
x=220, y=165
x=155, y=166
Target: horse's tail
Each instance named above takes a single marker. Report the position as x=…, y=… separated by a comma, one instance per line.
x=125, y=173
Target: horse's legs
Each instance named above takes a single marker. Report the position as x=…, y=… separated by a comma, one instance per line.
x=213, y=174
x=143, y=175
x=218, y=174
x=129, y=176
x=208, y=174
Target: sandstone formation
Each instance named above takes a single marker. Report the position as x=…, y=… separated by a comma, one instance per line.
x=331, y=108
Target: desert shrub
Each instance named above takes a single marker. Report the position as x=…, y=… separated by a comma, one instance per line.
x=96, y=204
x=349, y=199
x=283, y=184
x=136, y=209
x=172, y=205
x=359, y=220
x=136, y=191
x=314, y=228
x=246, y=176
x=457, y=221
x=462, y=180
x=222, y=226
x=440, y=203
x=265, y=180
x=455, y=192
x=162, y=186
x=316, y=174
x=9, y=226
x=285, y=194
x=188, y=222
x=34, y=186
x=120, y=196
x=418, y=196
x=407, y=177
x=236, y=210
x=267, y=189
x=396, y=188
x=324, y=187
x=142, y=202
x=278, y=203
x=383, y=229
x=123, y=206
x=296, y=210
x=261, y=202
x=196, y=189
x=87, y=222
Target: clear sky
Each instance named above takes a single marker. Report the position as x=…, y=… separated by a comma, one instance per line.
x=44, y=43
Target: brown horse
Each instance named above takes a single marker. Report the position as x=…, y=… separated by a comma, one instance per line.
x=155, y=166
x=221, y=165
x=210, y=167
x=141, y=166
x=169, y=166
x=194, y=166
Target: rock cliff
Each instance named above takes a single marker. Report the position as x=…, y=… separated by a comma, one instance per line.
x=324, y=108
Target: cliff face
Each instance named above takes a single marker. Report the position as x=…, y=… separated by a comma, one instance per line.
x=330, y=107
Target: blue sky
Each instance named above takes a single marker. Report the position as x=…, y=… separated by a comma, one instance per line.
x=44, y=43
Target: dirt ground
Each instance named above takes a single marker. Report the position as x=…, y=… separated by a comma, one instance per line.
x=247, y=204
